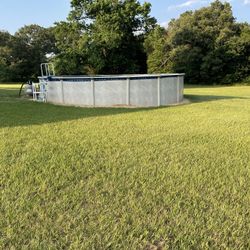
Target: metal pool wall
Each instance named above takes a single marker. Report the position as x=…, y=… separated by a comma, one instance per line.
x=107, y=91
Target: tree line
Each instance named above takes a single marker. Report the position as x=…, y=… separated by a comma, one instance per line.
x=120, y=37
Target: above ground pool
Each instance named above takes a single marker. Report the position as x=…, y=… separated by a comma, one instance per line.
x=115, y=90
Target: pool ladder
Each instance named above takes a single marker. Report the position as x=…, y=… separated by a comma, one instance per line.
x=47, y=69
x=40, y=89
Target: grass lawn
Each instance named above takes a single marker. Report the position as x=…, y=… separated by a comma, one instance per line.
x=78, y=178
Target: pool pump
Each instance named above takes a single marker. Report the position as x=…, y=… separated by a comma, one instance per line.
x=28, y=88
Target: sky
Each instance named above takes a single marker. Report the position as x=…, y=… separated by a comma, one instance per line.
x=17, y=13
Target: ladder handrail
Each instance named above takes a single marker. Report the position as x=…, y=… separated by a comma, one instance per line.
x=48, y=68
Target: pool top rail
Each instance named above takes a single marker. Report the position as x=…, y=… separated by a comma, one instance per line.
x=108, y=77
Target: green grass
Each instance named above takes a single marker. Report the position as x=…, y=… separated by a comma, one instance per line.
x=78, y=178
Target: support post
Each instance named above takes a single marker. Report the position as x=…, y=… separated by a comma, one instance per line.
x=62, y=91
x=93, y=91
x=159, y=90
x=178, y=89
x=128, y=91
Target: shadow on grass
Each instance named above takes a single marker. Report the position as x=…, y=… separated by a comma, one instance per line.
x=16, y=111
x=22, y=112
x=209, y=98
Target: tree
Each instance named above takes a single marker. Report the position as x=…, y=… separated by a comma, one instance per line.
x=71, y=49
x=5, y=56
x=239, y=54
x=109, y=35
x=157, y=48
x=31, y=46
x=204, y=44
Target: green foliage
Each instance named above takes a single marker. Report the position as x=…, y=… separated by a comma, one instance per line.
x=239, y=53
x=79, y=178
x=71, y=54
x=207, y=44
x=22, y=54
x=156, y=47
x=5, y=56
x=30, y=46
x=120, y=36
x=109, y=36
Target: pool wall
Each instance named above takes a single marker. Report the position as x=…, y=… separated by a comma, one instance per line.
x=107, y=91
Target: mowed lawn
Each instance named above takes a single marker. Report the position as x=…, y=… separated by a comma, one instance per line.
x=168, y=178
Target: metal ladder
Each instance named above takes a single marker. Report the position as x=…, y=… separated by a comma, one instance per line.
x=40, y=89
x=47, y=69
